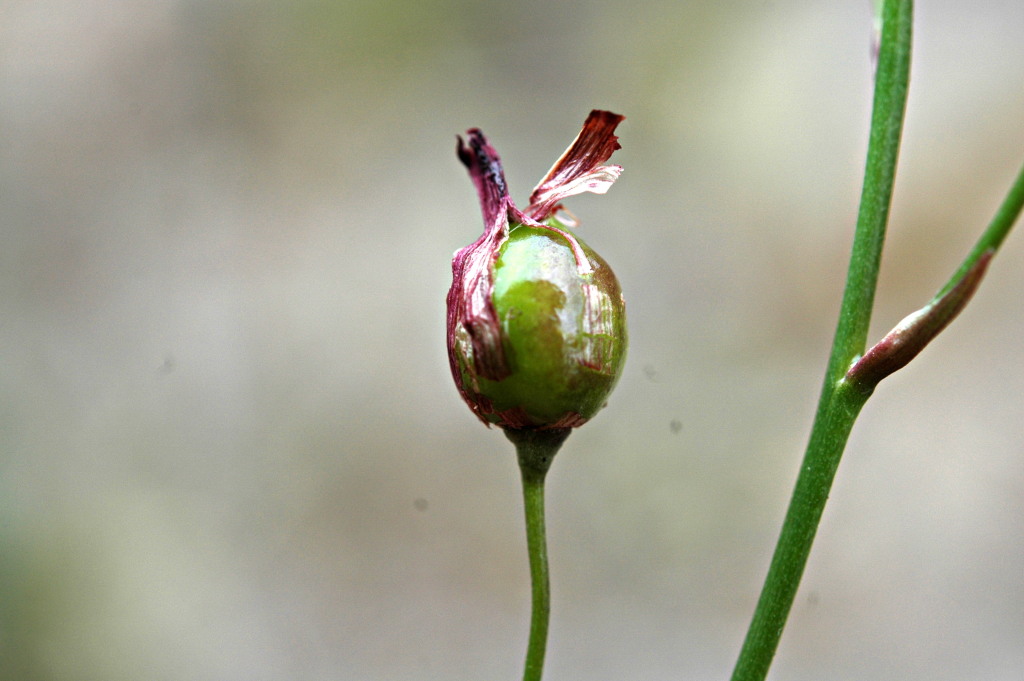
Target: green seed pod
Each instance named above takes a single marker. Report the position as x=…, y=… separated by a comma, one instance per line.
x=536, y=319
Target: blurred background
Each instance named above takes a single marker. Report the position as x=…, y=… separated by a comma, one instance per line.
x=231, y=447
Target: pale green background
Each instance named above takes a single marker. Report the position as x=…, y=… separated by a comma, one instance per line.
x=231, y=449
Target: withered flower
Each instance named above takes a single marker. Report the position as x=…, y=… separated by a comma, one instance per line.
x=536, y=318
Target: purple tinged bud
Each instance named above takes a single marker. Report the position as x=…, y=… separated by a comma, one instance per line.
x=536, y=320
x=908, y=338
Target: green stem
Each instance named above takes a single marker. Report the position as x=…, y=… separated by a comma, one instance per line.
x=892, y=80
x=829, y=434
x=993, y=236
x=533, y=500
x=840, y=402
x=536, y=450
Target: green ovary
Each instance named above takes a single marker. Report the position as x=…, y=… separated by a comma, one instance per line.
x=564, y=332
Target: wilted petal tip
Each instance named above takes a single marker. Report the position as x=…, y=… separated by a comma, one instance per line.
x=485, y=168
x=579, y=169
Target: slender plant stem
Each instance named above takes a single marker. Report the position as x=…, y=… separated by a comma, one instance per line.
x=536, y=543
x=831, y=430
x=536, y=449
x=892, y=80
x=993, y=236
x=840, y=402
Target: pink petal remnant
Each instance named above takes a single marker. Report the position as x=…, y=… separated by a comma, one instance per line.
x=579, y=169
x=469, y=299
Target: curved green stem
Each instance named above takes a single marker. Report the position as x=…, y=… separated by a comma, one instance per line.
x=993, y=236
x=840, y=401
x=853, y=374
x=533, y=500
x=536, y=449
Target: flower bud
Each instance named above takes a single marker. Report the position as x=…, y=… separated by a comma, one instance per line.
x=536, y=320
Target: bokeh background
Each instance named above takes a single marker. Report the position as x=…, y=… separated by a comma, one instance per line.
x=231, y=449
